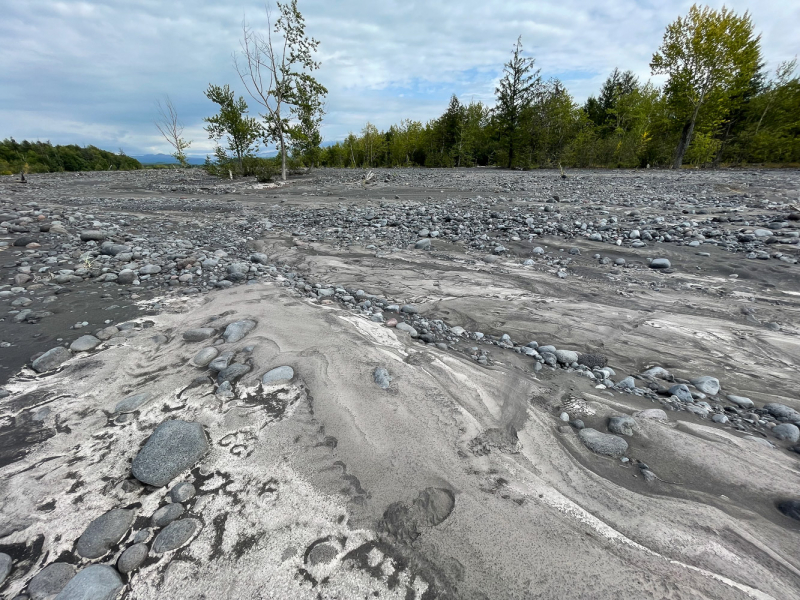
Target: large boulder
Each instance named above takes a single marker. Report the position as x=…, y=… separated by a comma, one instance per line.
x=603, y=443
x=171, y=449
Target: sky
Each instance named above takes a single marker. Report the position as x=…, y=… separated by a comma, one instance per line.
x=90, y=72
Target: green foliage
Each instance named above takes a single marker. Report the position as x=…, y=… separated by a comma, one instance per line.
x=710, y=58
x=240, y=131
x=43, y=157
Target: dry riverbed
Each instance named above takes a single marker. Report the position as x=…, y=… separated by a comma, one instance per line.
x=410, y=384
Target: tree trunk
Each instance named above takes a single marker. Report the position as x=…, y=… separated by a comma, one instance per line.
x=510, y=149
x=686, y=139
x=283, y=158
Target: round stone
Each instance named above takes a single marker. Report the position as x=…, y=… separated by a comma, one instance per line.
x=104, y=532
x=182, y=492
x=603, y=443
x=278, y=375
x=84, y=343
x=96, y=582
x=50, y=581
x=171, y=449
x=166, y=514
x=132, y=558
x=660, y=263
x=175, y=535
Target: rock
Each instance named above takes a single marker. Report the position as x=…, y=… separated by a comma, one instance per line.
x=199, y=334
x=322, y=554
x=132, y=403
x=431, y=507
x=781, y=411
x=50, y=581
x=149, y=270
x=278, y=375
x=126, y=277
x=24, y=241
x=382, y=378
x=205, y=356
x=408, y=329
x=104, y=532
x=423, y=244
x=166, y=514
x=222, y=361
x=233, y=373
x=787, y=432
x=741, y=401
x=259, y=258
x=655, y=414
x=622, y=424
x=106, y=333
x=657, y=373
x=92, y=235
x=791, y=508
x=175, y=535
x=95, y=582
x=566, y=357
x=593, y=361
x=5, y=566
x=626, y=384
x=719, y=418
x=51, y=359
x=84, y=343
x=603, y=443
x=132, y=558
x=111, y=249
x=182, y=492
x=237, y=330
x=682, y=392
x=660, y=263
x=171, y=449
x=707, y=385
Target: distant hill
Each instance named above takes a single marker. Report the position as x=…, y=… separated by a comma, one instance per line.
x=166, y=159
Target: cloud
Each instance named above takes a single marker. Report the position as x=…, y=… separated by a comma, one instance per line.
x=89, y=72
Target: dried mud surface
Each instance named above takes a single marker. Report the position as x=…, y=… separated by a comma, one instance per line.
x=455, y=477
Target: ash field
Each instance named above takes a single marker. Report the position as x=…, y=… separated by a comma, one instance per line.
x=400, y=384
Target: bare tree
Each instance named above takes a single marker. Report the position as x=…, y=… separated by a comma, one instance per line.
x=172, y=129
x=276, y=71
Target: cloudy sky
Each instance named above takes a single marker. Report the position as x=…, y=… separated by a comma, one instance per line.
x=90, y=72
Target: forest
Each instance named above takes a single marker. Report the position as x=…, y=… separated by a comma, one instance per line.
x=43, y=157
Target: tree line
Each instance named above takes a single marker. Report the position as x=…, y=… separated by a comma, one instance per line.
x=44, y=157
x=718, y=106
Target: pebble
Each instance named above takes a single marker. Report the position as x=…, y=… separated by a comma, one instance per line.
x=205, y=356
x=51, y=359
x=382, y=378
x=621, y=424
x=707, y=385
x=781, y=411
x=233, y=373
x=681, y=392
x=85, y=343
x=278, y=375
x=660, y=263
x=132, y=403
x=95, y=582
x=182, y=492
x=741, y=401
x=50, y=581
x=199, y=334
x=175, y=535
x=166, y=514
x=238, y=330
x=172, y=448
x=603, y=443
x=132, y=558
x=408, y=329
x=787, y=432
x=104, y=532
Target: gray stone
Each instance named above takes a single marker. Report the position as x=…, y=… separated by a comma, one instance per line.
x=171, y=449
x=84, y=343
x=175, y=535
x=682, y=392
x=50, y=581
x=92, y=235
x=126, y=277
x=603, y=443
x=182, y=492
x=5, y=566
x=408, y=329
x=166, y=514
x=96, y=582
x=566, y=357
x=199, y=334
x=237, y=330
x=656, y=373
x=132, y=558
x=787, y=432
x=719, y=418
x=781, y=411
x=104, y=532
x=322, y=554
x=626, y=384
x=222, y=361
x=655, y=414
x=205, y=356
x=277, y=375
x=111, y=249
x=707, y=385
x=149, y=270
x=423, y=244
x=621, y=424
x=132, y=403
x=260, y=258
x=51, y=359
x=233, y=373
x=382, y=378
x=660, y=263
x=741, y=401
